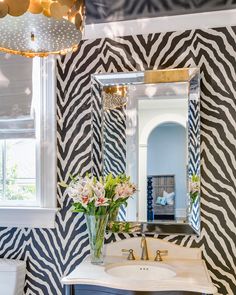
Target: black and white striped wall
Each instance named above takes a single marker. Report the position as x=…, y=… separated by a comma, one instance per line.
x=51, y=254
x=100, y=11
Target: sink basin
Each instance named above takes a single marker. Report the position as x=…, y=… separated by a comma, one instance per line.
x=142, y=271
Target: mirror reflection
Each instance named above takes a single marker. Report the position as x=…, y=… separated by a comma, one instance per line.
x=166, y=172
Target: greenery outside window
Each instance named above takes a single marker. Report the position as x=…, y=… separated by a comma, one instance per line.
x=18, y=171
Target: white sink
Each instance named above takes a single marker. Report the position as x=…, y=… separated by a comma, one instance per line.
x=141, y=271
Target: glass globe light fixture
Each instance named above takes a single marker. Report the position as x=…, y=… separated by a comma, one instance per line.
x=41, y=27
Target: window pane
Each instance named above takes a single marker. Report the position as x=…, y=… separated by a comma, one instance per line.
x=20, y=169
x=1, y=168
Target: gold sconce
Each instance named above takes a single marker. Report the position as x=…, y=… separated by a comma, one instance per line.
x=114, y=96
x=41, y=27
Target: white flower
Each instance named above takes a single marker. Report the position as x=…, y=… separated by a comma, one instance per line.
x=98, y=190
x=99, y=194
x=81, y=191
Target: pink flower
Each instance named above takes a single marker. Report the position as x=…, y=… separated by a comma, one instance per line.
x=101, y=202
x=194, y=187
x=85, y=200
x=124, y=190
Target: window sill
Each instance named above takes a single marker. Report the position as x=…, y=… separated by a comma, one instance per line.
x=28, y=217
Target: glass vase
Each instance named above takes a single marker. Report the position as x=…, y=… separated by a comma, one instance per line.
x=96, y=225
x=114, y=215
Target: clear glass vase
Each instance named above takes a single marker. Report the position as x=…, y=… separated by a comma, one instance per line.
x=114, y=215
x=96, y=225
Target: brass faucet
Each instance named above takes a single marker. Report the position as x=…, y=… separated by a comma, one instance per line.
x=131, y=253
x=159, y=254
x=144, y=255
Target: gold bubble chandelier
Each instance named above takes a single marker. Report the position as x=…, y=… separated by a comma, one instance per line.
x=41, y=27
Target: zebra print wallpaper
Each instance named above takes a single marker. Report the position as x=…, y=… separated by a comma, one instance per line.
x=114, y=132
x=50, y=254
x=100, y=11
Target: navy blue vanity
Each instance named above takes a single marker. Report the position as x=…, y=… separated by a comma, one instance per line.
x=97, y=290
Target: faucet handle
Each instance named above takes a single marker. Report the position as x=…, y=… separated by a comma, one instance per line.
x=159, y=254
x=131, y=253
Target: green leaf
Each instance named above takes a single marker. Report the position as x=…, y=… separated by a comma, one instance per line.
x=79, y=210
x=127, y=227
x=63, y=184
x=195, y=178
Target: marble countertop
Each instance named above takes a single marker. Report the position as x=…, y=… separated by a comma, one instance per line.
x=191, y=275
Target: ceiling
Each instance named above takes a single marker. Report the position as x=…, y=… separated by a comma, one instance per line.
x=101, y=11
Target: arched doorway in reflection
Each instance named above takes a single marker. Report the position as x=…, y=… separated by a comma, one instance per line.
x=166, y=172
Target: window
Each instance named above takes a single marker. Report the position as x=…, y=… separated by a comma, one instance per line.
x=18, y=172
x=27, y=142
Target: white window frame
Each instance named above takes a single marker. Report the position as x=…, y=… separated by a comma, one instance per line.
x=40, y=214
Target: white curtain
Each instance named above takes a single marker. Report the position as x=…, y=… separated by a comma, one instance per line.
x=16, y=112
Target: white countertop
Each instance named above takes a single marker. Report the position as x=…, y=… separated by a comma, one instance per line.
x=191, y=275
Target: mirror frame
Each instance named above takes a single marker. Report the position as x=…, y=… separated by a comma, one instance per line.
x=98, y=82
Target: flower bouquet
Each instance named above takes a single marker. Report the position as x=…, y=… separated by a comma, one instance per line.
x=98, y=198
x=194, y=188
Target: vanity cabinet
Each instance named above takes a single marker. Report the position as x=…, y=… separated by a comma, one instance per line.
x=92, y=290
